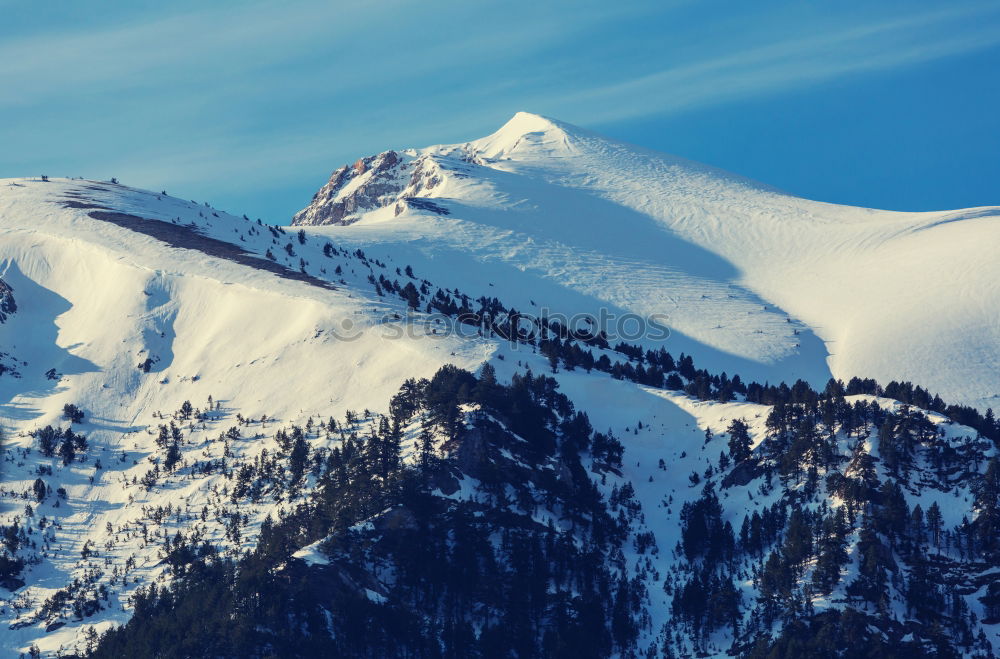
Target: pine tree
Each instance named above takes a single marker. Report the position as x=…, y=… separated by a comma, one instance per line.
x=48, y=440
x=893, y=514
x=917, y=528
x=871, y=582
x=173, y=456
x=831, y=552
x=888, y=449
x=739, y=440
x=775, y=589
x=67, y=451
x=426, y=448
x=39, y=489
x=411, y=295
x=797, y=548
x=73, y=413
x=987, y=503
x=935, y=522
x=297, y=460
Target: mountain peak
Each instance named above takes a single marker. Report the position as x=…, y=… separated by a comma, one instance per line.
x=527, y=122
x=527, y=131
x=391, y=179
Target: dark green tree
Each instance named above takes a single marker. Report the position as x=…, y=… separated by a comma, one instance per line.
x=739, y=440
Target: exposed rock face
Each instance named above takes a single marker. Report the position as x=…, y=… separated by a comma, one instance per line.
x=390, y=179
x=370, y=183
x=7, y=303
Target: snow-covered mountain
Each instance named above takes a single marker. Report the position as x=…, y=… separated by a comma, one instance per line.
x=126, y=303
x=753, y=280
x=177, y=382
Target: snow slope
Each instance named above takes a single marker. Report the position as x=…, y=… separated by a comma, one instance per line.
x=94, y=301
x=542, y=215
x=213, y=326
x=751, y=279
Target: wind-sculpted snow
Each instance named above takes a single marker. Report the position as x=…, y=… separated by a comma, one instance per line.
x=790, y=287
x=163, y=363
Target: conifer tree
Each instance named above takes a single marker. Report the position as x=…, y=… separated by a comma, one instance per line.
x=935, y=523
x=831, y=552
x=987, y=504
x=739, y=440
x=173, y=456
x=797, y=548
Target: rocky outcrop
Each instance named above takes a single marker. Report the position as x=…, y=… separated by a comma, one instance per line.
x=7, y=304
x=368, y=184
x=390, y=179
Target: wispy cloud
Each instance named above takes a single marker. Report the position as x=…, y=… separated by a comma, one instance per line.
x=791, y=64
x=332, y=46
x=158, y=51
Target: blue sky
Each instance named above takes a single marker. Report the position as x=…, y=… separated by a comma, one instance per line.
x=251, y=105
